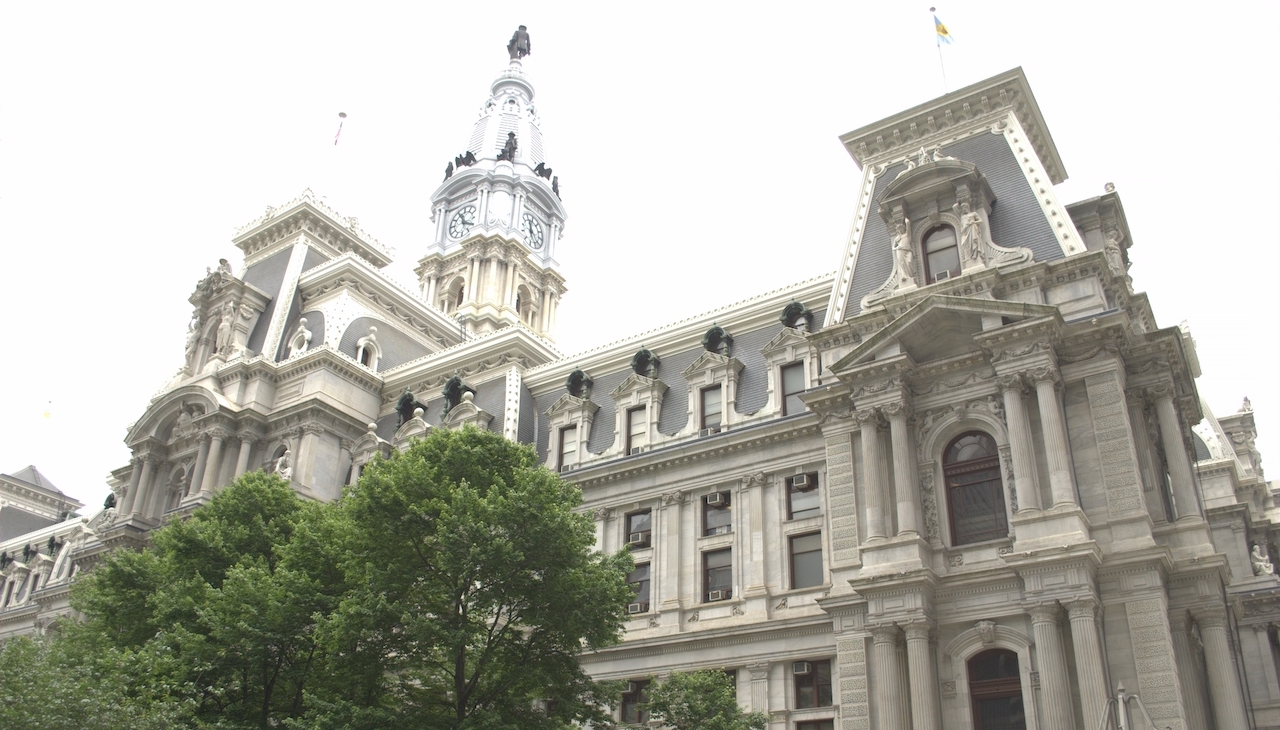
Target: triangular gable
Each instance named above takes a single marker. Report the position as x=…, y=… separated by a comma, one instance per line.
x=710, y=361
x=788, y=337
x=637, y=382
x=32, y=476
x=866, y=350
x=569, y=402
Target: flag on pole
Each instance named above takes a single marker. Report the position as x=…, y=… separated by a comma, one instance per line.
x=342, y=117
x=944, y=35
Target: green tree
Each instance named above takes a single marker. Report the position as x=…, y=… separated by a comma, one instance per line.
x=224, y=606
x=474, y=589
x=702, y=700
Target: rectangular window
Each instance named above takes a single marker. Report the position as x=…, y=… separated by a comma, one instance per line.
x=568, y=446
x=640, y=529
x=792, y=387
x=802, y=496
x=816, y=725
x=634, y=701
x=717, y=518
x=638, y=579
x=712, y=408
x=717, y=575
x=806, y=560
x=35, y=584
x=813, y=688
x=637, y=429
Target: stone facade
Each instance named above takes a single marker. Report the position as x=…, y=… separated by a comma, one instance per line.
x=965, y=480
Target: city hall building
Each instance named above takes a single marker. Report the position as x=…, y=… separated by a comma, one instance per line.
x=966, y=481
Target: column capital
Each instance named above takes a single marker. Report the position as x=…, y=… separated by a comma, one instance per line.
x=1010, y=382
x=1179, y=622
x=1044, y=612
x=1214, y=616
x=248, y=435
x=1047, y=373
x=1086, y=607
x=759, y=671
x=153, y=459
x=602, y=514
x=751, y=481
x=671, y=498
x=885, y=633
x=868, y=417
x=919, y=629
x=1160, y=391
x=204, y=437
x=896, y=410
x=220, y=432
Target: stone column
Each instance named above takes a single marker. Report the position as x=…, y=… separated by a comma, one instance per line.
x=544, y=315
x=1055, y=436
x=197, y=471
x=473, y=279
x=904, y=471
x=144, y=485
x=1175, y=453
x=209, y=481
x=1188, y=662
x=1055, y=683
x=492, y=282
x=125, y=507
x=1136, y=403
x=926, y=713
x=889, y=695
x=670, y=549
x=1026, y=483
x=869, y=421
x=753, y=525
x=1090, y=672
x=1224, y=683
x=242, y=459
x=759, y=686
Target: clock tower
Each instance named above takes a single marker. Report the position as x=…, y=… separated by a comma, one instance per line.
x=491, y=261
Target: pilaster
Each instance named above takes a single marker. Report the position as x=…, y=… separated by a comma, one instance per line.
x=1055, y=682
x=842, y=502
x=1224, y=684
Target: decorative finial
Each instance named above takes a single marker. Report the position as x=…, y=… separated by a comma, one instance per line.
x=1109, y=187
x=519, y=46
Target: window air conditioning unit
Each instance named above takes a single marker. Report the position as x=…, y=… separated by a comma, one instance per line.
x=631, y=688
x=802, y=481
x=722, y=530
x=567, y=467
x=638, y=538
x=801, y=668
x=717, y=499
x=637, y=607
x=717, y=595
x=942, y=275
x=709, y=431
x=635, y=450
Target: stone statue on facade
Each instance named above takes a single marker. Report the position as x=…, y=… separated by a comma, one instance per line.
x=904, y=259
x=542, y=171
x=1115, y=259
x=454, y=390
x=110, y=501
x=284, y=465
x=223, y=342
x=555, y=186
x=448, y=171
x=508, y=152
x=519, y=46
x=1261, y=561
x=224, y=268
x=466, y=159
x=971, y=241
x=406, y=405
x=193, y=339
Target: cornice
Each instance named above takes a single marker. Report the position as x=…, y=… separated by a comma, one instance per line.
x=976, y=105
x=710, y=639
x=337, y=232
x=326, y=358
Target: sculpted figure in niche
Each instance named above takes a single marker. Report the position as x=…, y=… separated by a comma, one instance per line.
x=223, y=342
x=1115, y=259
x=1261, y=562
x=903, y=257
x=645, y=363
x=508, y=152
x=193, y=339
x=971, y=241
x=284, y=465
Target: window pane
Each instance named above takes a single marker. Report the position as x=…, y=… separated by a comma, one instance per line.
x=718, y=569
x=792, y=387
x=715, y=517
x=640, y=522
x=806, y=561
x=639, y=581
x=637, y=428
x=633, y=703
x=568, y=443
x=804, y=503
x=814, y=689
x=712, y=406
x=940, y=238
x=948, y=259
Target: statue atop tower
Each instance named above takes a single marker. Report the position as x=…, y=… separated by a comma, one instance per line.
x=519, y=46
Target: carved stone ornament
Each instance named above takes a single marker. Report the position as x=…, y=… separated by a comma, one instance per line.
x=903, y=275
x=1006, y=460
x=1082, y=608
x=693, y=617
x=868, y=416
x=897, y=409
x=929, y=501
x=602, y=514
x=948, y=688
x=987, y=631
x=1011, y=382
x=653, y=621
x=753, y=480
x=1043, y=374
x=670, y=498
x=1261, y=561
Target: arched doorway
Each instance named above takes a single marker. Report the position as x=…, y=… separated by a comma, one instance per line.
x=995, y=688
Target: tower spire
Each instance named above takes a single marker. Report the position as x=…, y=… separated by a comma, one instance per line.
x=491, y=261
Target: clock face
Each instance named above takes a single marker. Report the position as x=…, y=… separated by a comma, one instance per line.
x=532, y=231
x=462, y=221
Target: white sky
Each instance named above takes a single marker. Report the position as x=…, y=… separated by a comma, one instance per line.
x=696, y=145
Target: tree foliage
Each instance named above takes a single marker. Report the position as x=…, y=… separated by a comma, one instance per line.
x=453, y=588
x=702, y=700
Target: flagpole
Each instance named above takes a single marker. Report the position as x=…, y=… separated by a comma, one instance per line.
x=941, y=64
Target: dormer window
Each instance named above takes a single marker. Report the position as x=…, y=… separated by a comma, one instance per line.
x=368, y=351
x=942, y=254
x=637, y=429
x=712, y=408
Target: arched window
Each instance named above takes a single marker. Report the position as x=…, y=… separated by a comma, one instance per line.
x=975, y=494
x=995, y=688
x=941, y=255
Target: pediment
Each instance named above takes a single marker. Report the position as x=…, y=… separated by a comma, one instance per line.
x=788, y=337
x=635, y=383
x=940, y=327
x=467, y=412
x=413, y=428
x=568, y=403
x=711, y=361
x=932, y=174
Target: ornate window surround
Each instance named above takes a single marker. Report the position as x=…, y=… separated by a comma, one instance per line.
x=634, y=392
x=969, y=644
x=709, y=370
x=935, y=436
x=569, y=410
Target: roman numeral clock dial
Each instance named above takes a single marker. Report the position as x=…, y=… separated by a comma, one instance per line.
x=462, y=221
x=532, y=231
